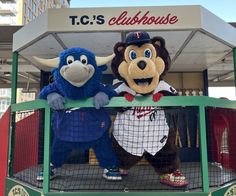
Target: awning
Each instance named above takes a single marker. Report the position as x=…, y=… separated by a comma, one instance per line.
x=196, y=38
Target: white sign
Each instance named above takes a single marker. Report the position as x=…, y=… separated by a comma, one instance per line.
x=231, y=191
x=124, y=18
x=18, y=191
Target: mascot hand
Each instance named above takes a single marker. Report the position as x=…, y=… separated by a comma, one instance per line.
x=56, y=101
x=100, y=99
x=129, y=97
x=156, y=97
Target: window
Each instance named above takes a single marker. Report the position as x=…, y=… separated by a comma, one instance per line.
x=226, y=92
x=29, y=3
x=4, y=103
x=29, y=14
x=34, y=8
x=25, y=20
x=5, y=92
x=46, y=4
x=24, y=8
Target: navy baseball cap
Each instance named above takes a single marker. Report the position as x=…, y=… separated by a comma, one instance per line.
x=139, y=37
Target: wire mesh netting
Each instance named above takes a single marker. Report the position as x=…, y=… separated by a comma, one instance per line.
x=221, y=145
x=148, y=142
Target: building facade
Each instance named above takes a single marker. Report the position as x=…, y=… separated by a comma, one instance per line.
x=5, y=100
x=20, y=12
x=8, y=12
x=30, y=9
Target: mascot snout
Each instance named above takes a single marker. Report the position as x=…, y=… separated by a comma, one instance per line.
x=77, y=73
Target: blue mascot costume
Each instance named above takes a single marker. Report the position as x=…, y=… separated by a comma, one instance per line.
x=77, y=75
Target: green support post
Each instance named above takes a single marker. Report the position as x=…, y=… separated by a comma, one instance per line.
x=12, y=119
x=234, y=57
x=46, y=160
x=203, y=149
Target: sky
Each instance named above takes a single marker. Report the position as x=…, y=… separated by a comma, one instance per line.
x=225, y=9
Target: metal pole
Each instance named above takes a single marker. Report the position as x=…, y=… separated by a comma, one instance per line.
x=234, y=57
x=205, y=79
x=203, y=149
x=12, y=119
x=14, y=77
x=46, y=160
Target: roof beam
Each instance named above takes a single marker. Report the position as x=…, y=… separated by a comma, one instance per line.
x=29, y=76
x=59, y=40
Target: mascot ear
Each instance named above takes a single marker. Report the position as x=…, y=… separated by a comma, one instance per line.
x=103, y=67
x=160, y=45
x=119, y=48
x=158, y=42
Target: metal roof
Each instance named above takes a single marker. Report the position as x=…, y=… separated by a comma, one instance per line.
x=196, y=38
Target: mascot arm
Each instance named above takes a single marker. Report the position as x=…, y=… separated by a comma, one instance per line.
x=54, y=98
x=56, y=101
x=51, y=88
x=103, y=96
x=163, y=89
x=100, y=99
x=108, y=90
x=129, y=97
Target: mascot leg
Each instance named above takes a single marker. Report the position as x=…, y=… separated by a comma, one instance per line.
x=60, y=151
x=126, y=159
x=166, y=162
x=107, y=158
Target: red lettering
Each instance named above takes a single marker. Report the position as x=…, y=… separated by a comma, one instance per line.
x=166, y=20
x=135, y=19
x=143, y=19
x=115, y=20
x=150, y=20
x=173, y=20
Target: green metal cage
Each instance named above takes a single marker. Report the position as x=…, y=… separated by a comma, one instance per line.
x=15, y=186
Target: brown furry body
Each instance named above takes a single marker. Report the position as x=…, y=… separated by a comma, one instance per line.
x=141, y=66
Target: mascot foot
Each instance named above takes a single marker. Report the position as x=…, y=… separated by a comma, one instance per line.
x=112, y=174
x=175, y=179
x=52, y=174
x=123, y=172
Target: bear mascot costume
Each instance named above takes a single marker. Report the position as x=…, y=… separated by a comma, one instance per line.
x=144, y=132
x=77, y=74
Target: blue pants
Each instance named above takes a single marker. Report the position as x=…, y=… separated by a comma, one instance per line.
x=102, y=147
x=188, y=117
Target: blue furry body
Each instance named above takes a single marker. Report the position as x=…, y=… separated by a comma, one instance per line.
x=84, y=124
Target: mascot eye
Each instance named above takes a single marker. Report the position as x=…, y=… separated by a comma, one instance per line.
x=69, y=60
x=83, y=59
x=132, y=55
x=148, y=53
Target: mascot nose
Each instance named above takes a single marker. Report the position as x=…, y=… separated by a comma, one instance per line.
x=142, y=64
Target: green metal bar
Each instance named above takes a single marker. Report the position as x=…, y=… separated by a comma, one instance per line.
x=46, y=161
x=12, y=118
x=128, y=194
x=234, y=57
x=29, y=105
x=165, y=101
x=37, y=192
x=203, y=149
x=138, y=101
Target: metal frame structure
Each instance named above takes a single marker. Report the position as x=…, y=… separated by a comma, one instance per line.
x=200, y=102
x=21, y=43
